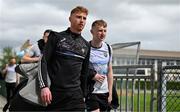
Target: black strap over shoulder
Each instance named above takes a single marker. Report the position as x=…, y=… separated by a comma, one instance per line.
x=109, y=49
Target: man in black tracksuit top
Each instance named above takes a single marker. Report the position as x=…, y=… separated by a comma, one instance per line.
x=65, y=60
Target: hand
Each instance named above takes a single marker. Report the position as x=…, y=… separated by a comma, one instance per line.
x=99, y=78
x=4, y=71
x=109, y=99
x=46, y=95
x=36, y=59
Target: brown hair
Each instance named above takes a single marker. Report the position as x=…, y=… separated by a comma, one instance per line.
x=47, y=31
x=79, y=9
x=11, y=60
x=99, y=23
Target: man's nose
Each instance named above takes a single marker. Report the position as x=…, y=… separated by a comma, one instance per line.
x=104, y=33
x=82, y=20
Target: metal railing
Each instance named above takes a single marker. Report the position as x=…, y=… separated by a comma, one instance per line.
x=132, y=88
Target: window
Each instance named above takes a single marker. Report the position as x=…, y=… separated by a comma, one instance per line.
x=178, y=62
x=141, y=72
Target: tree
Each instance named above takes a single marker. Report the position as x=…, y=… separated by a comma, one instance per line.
x=7, y=53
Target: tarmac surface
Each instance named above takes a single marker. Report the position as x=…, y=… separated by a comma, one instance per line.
x=2, y=102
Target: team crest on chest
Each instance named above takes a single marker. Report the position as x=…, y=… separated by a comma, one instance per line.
x=105, y=54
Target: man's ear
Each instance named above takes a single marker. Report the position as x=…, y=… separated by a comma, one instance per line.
x=91, y=31
x=70, y=18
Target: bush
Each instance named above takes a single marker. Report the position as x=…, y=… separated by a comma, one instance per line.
x=171, y=85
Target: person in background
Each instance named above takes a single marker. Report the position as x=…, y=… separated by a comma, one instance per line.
x=33, y=53
x=31, y=56
x=66, y=59
x=11, y=79
x=100, y=59
x=27, y=45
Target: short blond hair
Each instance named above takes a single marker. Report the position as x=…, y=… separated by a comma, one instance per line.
x=80, y=9
x=99, y=23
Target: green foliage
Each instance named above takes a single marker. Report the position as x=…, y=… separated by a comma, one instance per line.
x=148, y=85
x=171, y=85
x=7, y=53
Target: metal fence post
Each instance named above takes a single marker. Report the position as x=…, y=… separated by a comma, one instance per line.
x=152, y=89
x=159, y=86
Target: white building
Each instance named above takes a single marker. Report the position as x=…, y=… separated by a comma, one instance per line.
x=130, y=54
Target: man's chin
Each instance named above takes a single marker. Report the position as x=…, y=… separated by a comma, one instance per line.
x=102, y=39
x=80, y=29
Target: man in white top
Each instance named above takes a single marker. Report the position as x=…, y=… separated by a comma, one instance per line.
x=100, y=59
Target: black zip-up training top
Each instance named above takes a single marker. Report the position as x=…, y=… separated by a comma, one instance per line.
x=65, y=59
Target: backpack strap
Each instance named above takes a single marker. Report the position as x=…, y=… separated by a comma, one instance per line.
x=109, y=50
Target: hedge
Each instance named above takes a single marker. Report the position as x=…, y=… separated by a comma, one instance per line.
x=171, y=85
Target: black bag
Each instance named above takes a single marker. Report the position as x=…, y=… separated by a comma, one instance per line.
x=31, y=90
x=115, y=100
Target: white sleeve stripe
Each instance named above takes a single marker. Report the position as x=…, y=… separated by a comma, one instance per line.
x=41, y=83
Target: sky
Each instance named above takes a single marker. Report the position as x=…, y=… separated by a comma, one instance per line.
x=155, y=23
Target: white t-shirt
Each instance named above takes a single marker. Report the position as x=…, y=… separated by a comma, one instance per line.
x=99, y=57
x=11, y=74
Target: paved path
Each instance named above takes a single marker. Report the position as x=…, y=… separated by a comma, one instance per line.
x=2, y=102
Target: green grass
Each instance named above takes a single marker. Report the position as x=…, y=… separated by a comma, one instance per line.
x=171, y=104
x=136, y=102
x=148, y=98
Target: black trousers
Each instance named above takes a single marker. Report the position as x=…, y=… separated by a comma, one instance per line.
x=10, y=89
x=67, y=101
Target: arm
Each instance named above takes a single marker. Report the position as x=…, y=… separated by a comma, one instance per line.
x=17, y=78
x=110, y=82
x=110, y=74
x=4, y=71
x=28, y=58
x=85, y=73
x=32, y=55
x=93, y=75
x=42, y=75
